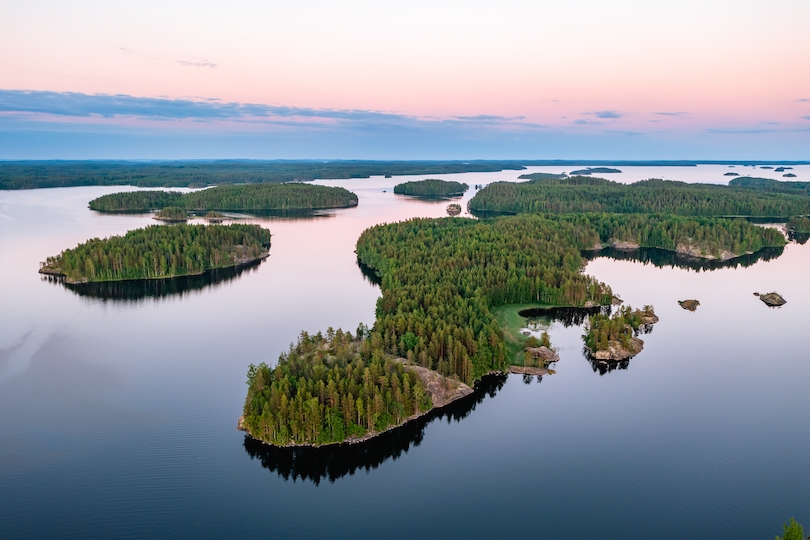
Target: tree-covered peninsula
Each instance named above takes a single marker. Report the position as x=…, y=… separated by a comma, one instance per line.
x=329, y=389
x=431, y=188
x=239, y=198
x=589, y=194
x=769, y=185
x=172, y=214
x=159, y=252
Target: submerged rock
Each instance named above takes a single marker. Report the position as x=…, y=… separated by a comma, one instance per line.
x=690, y=305
x=772, y=299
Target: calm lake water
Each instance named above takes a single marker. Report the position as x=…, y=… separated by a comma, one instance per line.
x=118, y=407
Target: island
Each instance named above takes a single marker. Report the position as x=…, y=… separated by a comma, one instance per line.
x=789, y=175
x=540, y=176
x=731, y=174
x=431, y=188
x=614, y=338
x=172, y=214
x=689, y=305
x=453, y=209
x=594, y=170
x=238, y=198
x=160, y=252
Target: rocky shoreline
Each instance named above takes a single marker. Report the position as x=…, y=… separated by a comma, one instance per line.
x=442, y=390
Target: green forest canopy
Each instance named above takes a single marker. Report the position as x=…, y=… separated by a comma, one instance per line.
x=330, y=388
x=440, y=294
x=587, y=194
x=431, y=188
x=239, y=198
x=621, y=326
x=160, y=251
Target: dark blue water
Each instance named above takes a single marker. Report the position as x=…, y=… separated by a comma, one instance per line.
x=118, y=410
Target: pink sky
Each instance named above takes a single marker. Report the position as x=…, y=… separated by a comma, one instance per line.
x=722, y=65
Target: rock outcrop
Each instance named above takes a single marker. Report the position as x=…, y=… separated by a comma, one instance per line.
x=623, y=245
x=543, y=354
x=442, y=390
x=690, y=305
x=772, y=299
x=616, y=351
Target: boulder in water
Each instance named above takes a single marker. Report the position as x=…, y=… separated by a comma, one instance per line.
x=690, y=305
x=773, y=299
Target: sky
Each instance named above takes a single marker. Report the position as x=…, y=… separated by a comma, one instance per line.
x=581, y=79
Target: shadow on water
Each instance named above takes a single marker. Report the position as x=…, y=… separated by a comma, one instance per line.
x=136, y=290
x=336, y=461
x=430, y=198
x=662, y=258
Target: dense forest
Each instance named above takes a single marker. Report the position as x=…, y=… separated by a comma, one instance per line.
x=587, y=194
x=45, y=174
x=769, y=185
x=330, y=388
x=602, y=329
x=160, y=251
x=435, y=304
x=799, y=224
x=239, y=198
x=431, y=188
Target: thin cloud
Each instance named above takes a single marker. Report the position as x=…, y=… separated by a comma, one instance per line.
x=609, y=115
x=805, y=117
x=803, y=100
x=203, y=63
x=489, y=118
x=673, y=113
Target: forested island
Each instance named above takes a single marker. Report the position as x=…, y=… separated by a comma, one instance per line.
x=172, y=214
x=160, y=252
x=239, y=198
x=431, y=188
x=594, y=170
x=590, y=194
x=614, y=338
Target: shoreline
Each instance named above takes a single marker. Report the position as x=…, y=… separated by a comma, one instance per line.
x=50, y=272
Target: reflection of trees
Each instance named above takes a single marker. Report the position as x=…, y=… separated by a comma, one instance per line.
x=799, y=238
x=336, y=461
x=369, y=274
x=604, y=366
x=135, y=290
x=663, y=258
x=568, y=316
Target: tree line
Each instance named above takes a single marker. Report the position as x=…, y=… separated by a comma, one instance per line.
x=160, y=251
x=799, y=224
x=431, y=188
x=769, y=185
x=588, y=194
x=328, y=388
x=245, y=198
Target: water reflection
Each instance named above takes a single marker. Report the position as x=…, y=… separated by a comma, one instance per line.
x=369, y=274
x=336, y=461
x=799, y=238
x=568, y=316
x=136, y=290
x=662, y=258
x=601, y=366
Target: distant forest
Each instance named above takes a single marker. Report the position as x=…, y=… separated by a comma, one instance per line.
x=45, y=174
x=160, y=251
x=431, y=188
x=291, y=196
x=588, y=194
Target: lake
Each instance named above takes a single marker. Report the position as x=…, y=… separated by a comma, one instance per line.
x=118, y=406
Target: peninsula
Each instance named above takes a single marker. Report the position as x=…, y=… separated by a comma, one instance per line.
x=160, y=252
x=238, y=198
x=615, y=338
